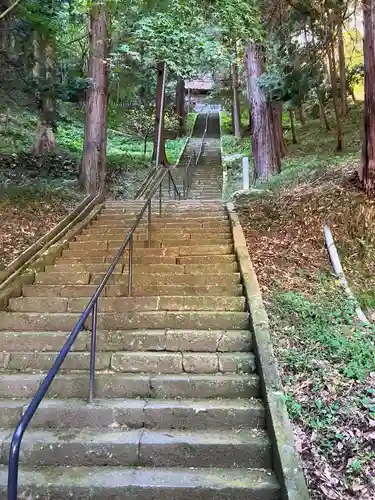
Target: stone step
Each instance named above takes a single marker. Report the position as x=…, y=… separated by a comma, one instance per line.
x=143, y=225
x=170, y=251
x=156, y=236
x=156, y=233
x=165, y=243
x=143, y=447
x=84, y=278
x=146, y=260
x=138, y=268
x=155, y=259
x=194, y=216
x=135, y=362
x=194, y=414
x=119, y=385
x=103, y=483
x=130, y=340
x=126, y=225
x=201, y=320
x=141, y=240
x=137, y=291
x=124, y=304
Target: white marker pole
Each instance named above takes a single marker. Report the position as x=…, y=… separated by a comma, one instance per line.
x=245, y=172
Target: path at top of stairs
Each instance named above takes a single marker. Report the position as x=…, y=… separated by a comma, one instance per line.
x=178, y=413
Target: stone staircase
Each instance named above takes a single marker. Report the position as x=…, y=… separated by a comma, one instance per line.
x=207, y=176
x=178, y=413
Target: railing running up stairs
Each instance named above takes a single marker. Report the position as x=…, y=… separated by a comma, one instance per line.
x=91, y=308
x=192, y=163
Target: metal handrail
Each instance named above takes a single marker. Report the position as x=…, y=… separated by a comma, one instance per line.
x=188, y=174
x=92, y=307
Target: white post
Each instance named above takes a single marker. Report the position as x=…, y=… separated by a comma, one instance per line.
x=245, y=172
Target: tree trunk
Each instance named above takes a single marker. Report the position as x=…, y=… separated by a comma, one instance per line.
x=322, y=111
x=159, y=116
x=342, y=67
x=301, y=115
x=277, y=116
x=236, y=103
x=275, y=140
x=44, y=75
x=264, y=159
x=93, y=169
x=366, y=171
x=180, y=105
x=333, y=75
x=292, y=127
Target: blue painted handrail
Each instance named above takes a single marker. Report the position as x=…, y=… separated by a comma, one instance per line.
x=92, y=306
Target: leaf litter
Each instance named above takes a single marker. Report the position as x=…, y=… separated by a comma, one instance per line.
x=326, y=359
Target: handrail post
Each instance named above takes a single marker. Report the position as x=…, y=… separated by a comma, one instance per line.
x=149, y=225
x=93, y=351
x=14, y=457
x=130, y=270
x=169, y=184
x=160, y=199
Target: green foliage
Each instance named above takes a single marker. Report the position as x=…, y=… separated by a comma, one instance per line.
x=329, y=331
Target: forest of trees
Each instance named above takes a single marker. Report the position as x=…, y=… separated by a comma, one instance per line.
x=107, y=56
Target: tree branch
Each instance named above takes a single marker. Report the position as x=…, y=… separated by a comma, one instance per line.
x=9, y=9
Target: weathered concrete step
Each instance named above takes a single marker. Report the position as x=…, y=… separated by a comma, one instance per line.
x=90, y=239
x=94, y=483
x=122, y=225
x=84, y=278
x=200, y=320
x=165, y=243
x=193, y=216
x=183, y=268
x=156, y=235
x=143, y=447
x=154, y=259
x=123, y=304
x=118, y=385
x=178, y=240
x=134, y=362
x=137, y=291
x=128, y=340
x=143, y=226
x=195, y=414
x=157, y=252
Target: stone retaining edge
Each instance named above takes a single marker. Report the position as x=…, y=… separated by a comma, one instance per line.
x=286, y=460
x=25, y=275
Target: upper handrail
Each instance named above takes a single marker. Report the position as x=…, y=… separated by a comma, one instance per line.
x=92, y=307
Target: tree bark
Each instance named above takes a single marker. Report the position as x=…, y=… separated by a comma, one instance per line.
x=322, y=111
x=264, y=159
x=159, y=116
x=292, y=126
x=366, y=171
x=277, y=114
x=301, y=115
x=44, y=75
x=342, y=67
x=180, y=105
x=333, y=75
x=93, y=168
x=236, y=103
